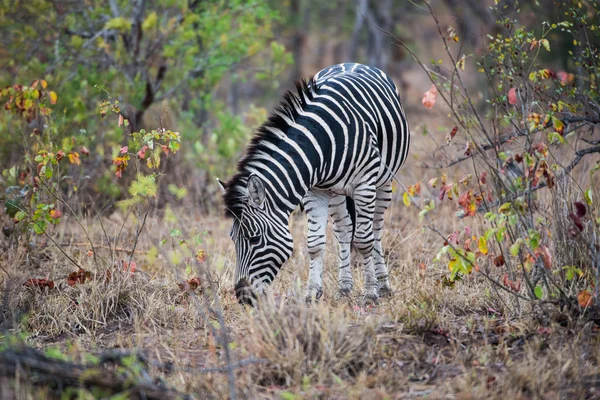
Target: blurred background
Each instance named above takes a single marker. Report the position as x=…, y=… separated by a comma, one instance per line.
x=212, y=70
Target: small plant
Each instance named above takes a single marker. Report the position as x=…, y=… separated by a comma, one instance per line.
x=534, y=225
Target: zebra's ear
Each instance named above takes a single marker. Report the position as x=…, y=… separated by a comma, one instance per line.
x=256, y=191
x=222, y=186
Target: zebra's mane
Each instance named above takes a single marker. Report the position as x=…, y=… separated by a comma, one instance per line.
x=236, y=189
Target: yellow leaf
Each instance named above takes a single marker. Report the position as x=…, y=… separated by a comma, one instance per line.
x=461, y=63
x=44, y=83
x=406, y=199
x=150, y=21
x=452, y=264
x=74, y=158
x=53, y=97
x=483, y=245
x=545, y=43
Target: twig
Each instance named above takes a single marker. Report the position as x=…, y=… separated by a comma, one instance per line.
x=103, y=246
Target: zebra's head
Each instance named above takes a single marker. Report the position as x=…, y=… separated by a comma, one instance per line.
x=262, y=239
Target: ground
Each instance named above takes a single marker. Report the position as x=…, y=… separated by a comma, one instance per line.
x=429, y=340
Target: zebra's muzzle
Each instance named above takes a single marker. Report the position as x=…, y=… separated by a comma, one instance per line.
x=244, y=293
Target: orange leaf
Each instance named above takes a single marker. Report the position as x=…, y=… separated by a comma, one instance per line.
x=584, y=298
x=546, y=257
x=120, y=120
x=418, y=188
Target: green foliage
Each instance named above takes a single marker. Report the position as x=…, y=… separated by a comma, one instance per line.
x=175, y=53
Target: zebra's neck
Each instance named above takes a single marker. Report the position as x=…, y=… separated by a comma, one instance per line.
x=287, y=154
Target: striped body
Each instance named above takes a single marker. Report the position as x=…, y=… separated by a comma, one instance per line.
x=344, y=134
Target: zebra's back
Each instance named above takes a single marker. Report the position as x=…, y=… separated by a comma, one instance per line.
x=369, y=101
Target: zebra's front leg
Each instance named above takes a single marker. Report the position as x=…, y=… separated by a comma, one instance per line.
x=342, y=228
x=384, y=197
x=315, y=205
x=364, y=200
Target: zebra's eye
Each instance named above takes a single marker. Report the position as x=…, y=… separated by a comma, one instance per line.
x=254, y=239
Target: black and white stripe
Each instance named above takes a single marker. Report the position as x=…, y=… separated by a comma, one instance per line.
x=342, y=136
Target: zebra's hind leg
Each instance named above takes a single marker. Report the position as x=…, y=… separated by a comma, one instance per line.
x=316, y=205
x=384, y=197
x=342, y=228
x=364, y=200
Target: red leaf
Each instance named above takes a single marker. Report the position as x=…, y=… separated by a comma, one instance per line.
x=443, y=190
x=40, y=283
x=55, y=214
x=79, y=276
x=512, y=96
x=84, y=150
x=453, y=238
x=483, y=177
x=499, y=261
x=124, y=149
x=142, y=153
x=580, y=208
x=465, y=199
x=131, y=267
x=429, y=97
x=577, y=221
x=120, y=120
x=190, y=284
x=453, y=132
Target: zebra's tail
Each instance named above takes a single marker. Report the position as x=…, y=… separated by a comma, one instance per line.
x=351, y=207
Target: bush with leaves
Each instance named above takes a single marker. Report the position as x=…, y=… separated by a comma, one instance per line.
x=527, y=200
x=177, y=58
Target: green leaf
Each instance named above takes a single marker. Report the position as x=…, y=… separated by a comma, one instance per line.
x=505, y=207
x=588, y=194
x=12, y=207
x=20, y=216
x=150, y=21
x=119, y=23
x=545, y=43
x=538, y=292
x=514, y=249
x=39, y=227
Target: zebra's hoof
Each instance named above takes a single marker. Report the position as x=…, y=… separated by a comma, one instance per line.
x=385, y=290
x=345, y=288
x=314, y=295
x=371, y=299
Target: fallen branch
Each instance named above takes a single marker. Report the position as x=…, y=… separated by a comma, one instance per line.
x=34, y=367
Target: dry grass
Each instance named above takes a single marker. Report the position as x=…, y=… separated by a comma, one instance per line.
x=428, y=340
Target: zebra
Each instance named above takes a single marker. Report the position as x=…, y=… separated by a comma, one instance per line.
x=333, y=146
